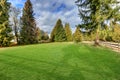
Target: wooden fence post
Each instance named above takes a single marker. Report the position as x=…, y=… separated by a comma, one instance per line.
x=118, y=45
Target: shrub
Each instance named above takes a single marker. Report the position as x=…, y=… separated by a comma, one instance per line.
x=77, y=35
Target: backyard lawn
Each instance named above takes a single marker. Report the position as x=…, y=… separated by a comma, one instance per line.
x=59, y=61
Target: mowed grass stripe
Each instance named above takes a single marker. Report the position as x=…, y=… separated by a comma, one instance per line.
x=59, y=61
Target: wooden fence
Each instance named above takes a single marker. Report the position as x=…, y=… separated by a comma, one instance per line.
x=112, y=45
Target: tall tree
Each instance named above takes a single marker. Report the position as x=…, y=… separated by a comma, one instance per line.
x=58, y=34
x=52, y=35
x=15, y=21
x=94, y=13
x=5, y=30
x=29, y=30
x=68, y=32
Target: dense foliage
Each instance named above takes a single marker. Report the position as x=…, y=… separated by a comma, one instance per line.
x=29, y=30
x=5, y=30
x=68, y=32
x=58, y=33
x=100, y=21
x=116, y=33
x=77, y=35
x=94, y=13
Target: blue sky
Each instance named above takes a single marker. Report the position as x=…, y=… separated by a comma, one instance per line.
x=48, y=11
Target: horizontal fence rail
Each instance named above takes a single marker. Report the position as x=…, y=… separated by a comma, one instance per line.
x=112, y=45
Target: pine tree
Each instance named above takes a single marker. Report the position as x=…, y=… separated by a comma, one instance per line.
x=58, y=33
x=77, y=35
x=5, y=30
x=52, y=35
x=68, y=32
x=29, y=29
x=94, y=13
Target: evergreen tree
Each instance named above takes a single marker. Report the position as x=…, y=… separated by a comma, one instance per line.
x=77, y=36
x=28, y=30
x=52, y=35
x=58, y=33
x=68, y=32
x=5, y=30
x=95, y=12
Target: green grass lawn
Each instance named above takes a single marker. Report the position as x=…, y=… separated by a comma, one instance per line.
x=59, y=61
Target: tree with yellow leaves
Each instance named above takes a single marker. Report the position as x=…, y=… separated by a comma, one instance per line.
x=5, y=30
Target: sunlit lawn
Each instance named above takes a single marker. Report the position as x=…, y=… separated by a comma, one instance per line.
x=59, y=61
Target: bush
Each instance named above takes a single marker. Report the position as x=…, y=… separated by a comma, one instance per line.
x=77, y=35
x=116, y=33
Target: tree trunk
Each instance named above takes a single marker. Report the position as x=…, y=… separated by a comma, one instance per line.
x=97, y=38
x=16, y=33
x=15, y=29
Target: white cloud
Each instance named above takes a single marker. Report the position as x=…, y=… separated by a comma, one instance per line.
x=48, y=11
x=46, y=17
